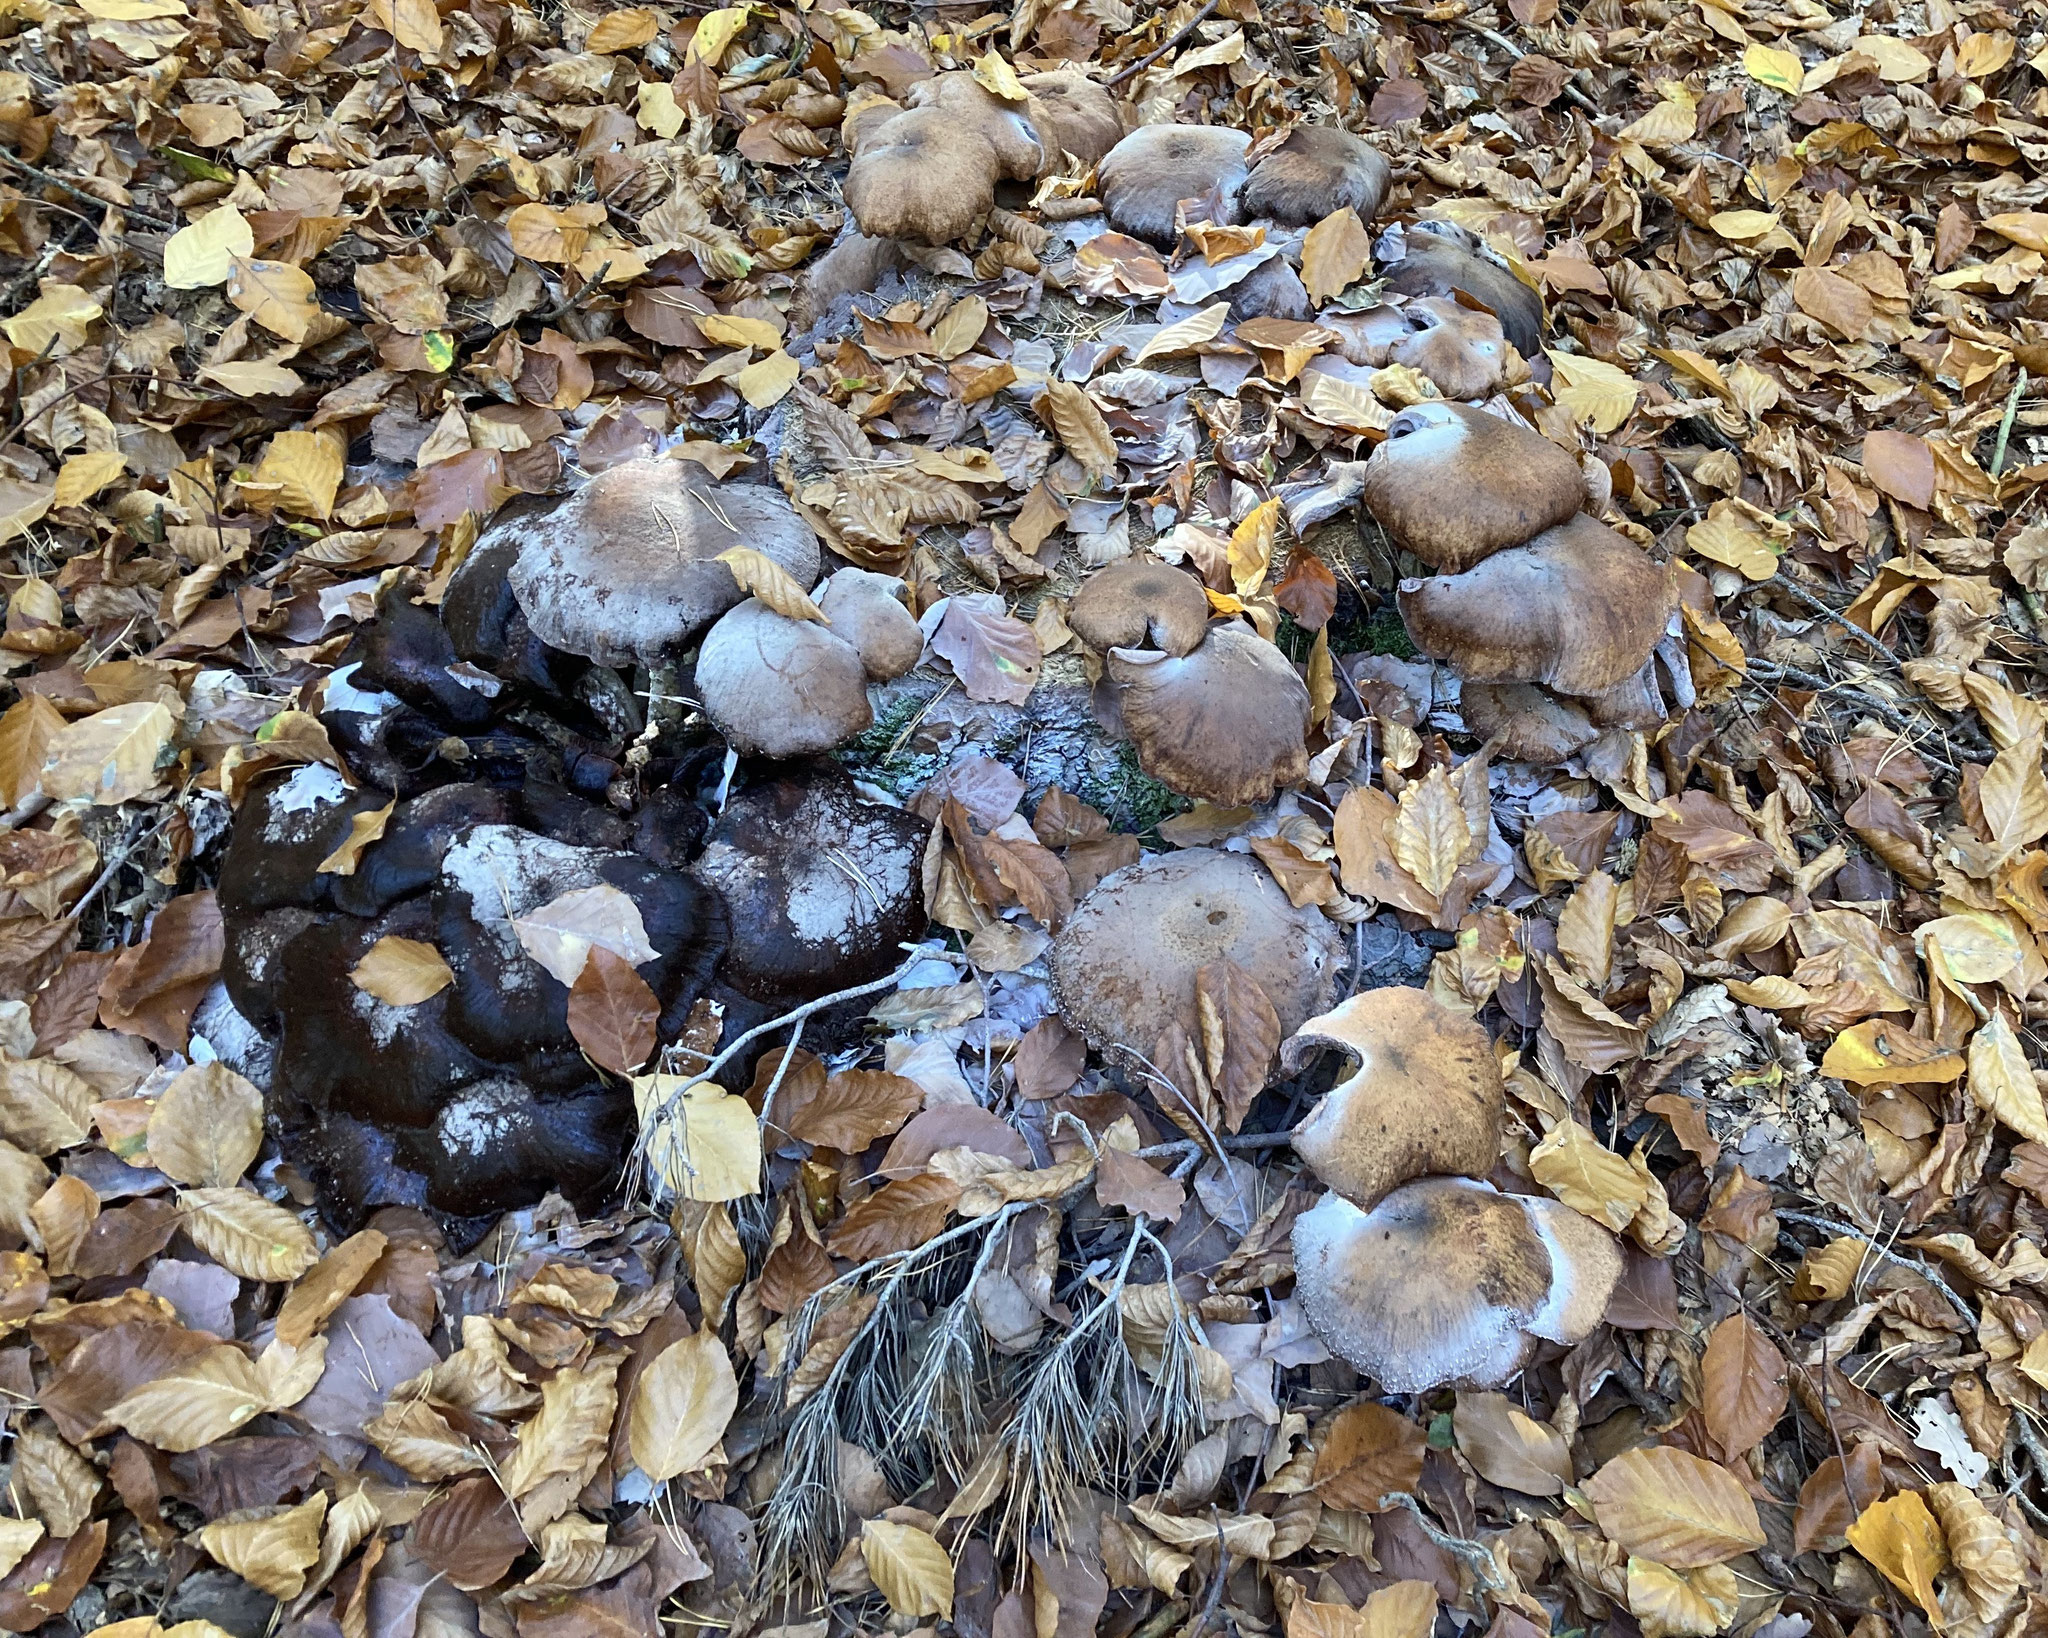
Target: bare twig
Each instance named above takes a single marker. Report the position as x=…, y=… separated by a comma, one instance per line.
x=52, y=180
x=1800, y=595
x=2012, y=408
x=1884, y=1254
x=1172, y=40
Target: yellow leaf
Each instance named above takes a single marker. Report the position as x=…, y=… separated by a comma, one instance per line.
x=1407, y=1609
x=735, y=330
x=1978, y=948
x=17, y=1539
x=62, y=313
x=909, y=1567
x=1187, y=335
x=992, y=73
x=1902, y=1541
x=564, y=1443
x=658, y=111
x=1725, y=536
x=1780, y=70
x=84, y=476
x=401, y=972
x=253, y=378
x=681, y=1406
x=1334, y=254
x=622, y=31
x=716, y=33
x=1672, y=1506
x=1588, y=1176
x=1983, y=54
x=956, y=332
x=111, y=756
x=2002, y=1081
x=277, y=295
x=1743, y=224
x=546, y=234
x=2025, y=228
x=207, y=1128
x=204, y=1399
x=1896, y=61
x=1251, y=547
x=1322, y=680
x=1875, y=1051
x=26, y=733
x=1671, y=1605
x=765, y=381
x=761, y=576
x=704, y=1144
x=247, y=1235
x=415, y=24
x=272, y=1553
x=363, y=829
x=305, y=470
x=1072, y=414
x=22, y=506
x=1597, y=393
x=1429, y=834
x=204, y=253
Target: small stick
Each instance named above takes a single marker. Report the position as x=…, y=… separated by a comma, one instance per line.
x=1883, y=1254
x=2012, y=408
x=1799, y=594
x=1173, y=40
x=52, y=180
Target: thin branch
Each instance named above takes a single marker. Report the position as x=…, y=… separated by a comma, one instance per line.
x=1172, y=40
x=1799, y=594
x=51, y=179
x=1884, y=1254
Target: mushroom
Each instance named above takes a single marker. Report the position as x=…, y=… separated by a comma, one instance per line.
x=1076, y=117
x=1528, y=722
x=866, y=609
x=1145, y=177
x=1442, y=259
x=625, y=569
x=1425, y=1098
x=780, y=687
x=821, y=887
x=1227, y=723
x=1317, y=170
x=1459, y=348
x=1140, y=602
x=1271, y=290
x=1578, y=609
x=1123, y=965
x=1454, y=484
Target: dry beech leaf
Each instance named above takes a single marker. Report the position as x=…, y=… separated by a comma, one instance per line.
x=612, y=1012
x=761, y=576
x=909, y=1568
x=204, y=1399
x=704, y=1143
x=1673, y=1604
x=1240, y=1035
x=2002, y=1080
x=1370, y=1451
x=44, y=1107
x=1073, y=417
x=1903, y=1541
x=1980, y=1549
x=1334, y=254
x=363, y=829
x=1509, y=1448
x=1588, y=1177
x=401, y=972
x=1671, y=1506
x=207, y=1128
x=853, y=1108
x=681, y=1406
x=1429, y=835
x=112, y=756
x=325, y=1286
x=1745, y=1385
x=272, y=1553
x=247, y=1235
x=561, y=933
x=565, y=1441
x=17, y=1538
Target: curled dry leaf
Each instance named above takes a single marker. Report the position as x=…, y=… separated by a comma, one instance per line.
x=272, y=1553
x=247, y=1235
x=761, y=576
x=1903, y=1541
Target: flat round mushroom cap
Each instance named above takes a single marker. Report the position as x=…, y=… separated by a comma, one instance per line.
x=1227, y=723
x=1317, y=170
x=864, y=608
x=1139, y=602
x=1425, y=1099
x=1459, y=348
x=1438, y=264
x=1124, y=964
x=923, y=175
x=623, y=569
x=779, y=687
x=1153, y=169
x=1076, y=116
x=1531, y=723
x=1578, y=609
x=1586, y=1263
x=1454, y=484
x=1436, y=1284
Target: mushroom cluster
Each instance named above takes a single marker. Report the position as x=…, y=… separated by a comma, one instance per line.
x=926, y=170
x=1412, y=1266
x=1549, y=617
x=1213, y=710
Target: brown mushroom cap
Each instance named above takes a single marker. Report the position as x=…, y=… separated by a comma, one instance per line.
x=1437, y=1283
x=1531, y=723
x=1455, y=485
x=922, y=175
x=1146, y=175
x=1020, y=150
x=623, y=569
x=1124, y=963
x=1317, y=170
x=1271, y=290
x=1578, y=609
x=867, y=611
x=1140, y=602
x=1227, y=723
x=1442, y=260
x=779, y=687
x=1074, y=115
x=1459, y=348
x=1586, y=1263
x=1425, y=1099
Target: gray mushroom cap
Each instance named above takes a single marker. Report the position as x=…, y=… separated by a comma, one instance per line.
x=780, y=687
x=624, y=570
x=866, y=609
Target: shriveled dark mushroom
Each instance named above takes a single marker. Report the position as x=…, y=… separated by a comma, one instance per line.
x=624, y=569
x=1441, y=259
x=1424, y=1100
x=1145, y=177
x=822, y=887
x=1227, y=722
x=1140, y=602
x=1455, y=485
x=1578, y=609
x=866, y=609
x=1124, y=964
x=1319, y=169
x=780, y=687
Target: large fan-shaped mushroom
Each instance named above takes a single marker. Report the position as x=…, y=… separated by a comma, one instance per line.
x=1227, y=722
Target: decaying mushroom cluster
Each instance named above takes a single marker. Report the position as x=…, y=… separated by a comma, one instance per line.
x=1414, y=1267
x=1548, y=616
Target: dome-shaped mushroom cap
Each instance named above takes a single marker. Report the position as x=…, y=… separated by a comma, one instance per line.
x=922, y=175
x=1124, y=963
x=1586, y=1263
x=1459, y=348
x=1454, y=484
x=779, y=687
x=623, y=569
x=1317, y=170
x=1020, y=150
x=1578, y=609
x=1441, y=263
x=1227, y=723
x=1424, y=1100
x=866, y=610
x=1153, y=169
x=1074, y=114
x=1436, y=1284
x=1139, y=602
